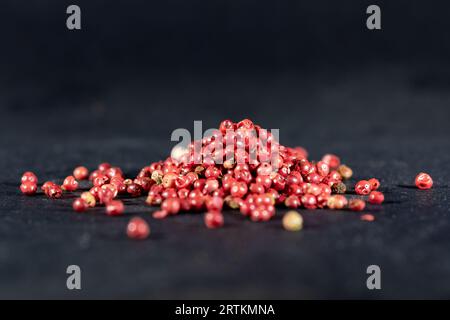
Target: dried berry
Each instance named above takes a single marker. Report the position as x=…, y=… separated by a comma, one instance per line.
x=292, y=221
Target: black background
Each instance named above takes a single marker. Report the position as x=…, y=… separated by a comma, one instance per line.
x=116, y=89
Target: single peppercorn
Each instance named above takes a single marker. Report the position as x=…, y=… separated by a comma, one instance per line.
x=345, y=171
x=374, y=184
x=423, y=181
x=339, y=188
x=213, y=220
x=292, y=221
x=29, y=177
x=337, y=202
x=115, y=208
x=81, y=173
x=376, y=197
x=367, y=217
x=70, y=184
x=134, y=190
x=356, y=204
x=138, y=229
x=332, y=160
x=89, y=198
x=79, y=205
x=28, y=188
x=363, y=187
x=54, y=191
x=171, y=205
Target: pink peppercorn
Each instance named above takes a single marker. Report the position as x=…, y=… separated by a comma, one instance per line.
x=70, y=184
x=332, y=160
x=374, y=183
x=28, y=188
x=81, y=173
x=424, y=181
x=79, y=205
x=363, y=187
x=171, y=205
x=309, y=201
x=29, y=177
x=138, y=229
x=115, y=208
x=292, y=202
x=356, y=205
x=213, y=220
x=376, y=197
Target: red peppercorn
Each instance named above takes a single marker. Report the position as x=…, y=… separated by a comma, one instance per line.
x=115, y=208
x=70, y=184
x=374, y=183
x=238, y=189
x=424, y=181
x=376, y=197
x=79, y=205
x=102, y=167
x=171, y=205
x=160, y=214
x=332, y=160
x=46, y=186
x=213, y=220
x=356, y=205
x=214, y=204
x=138, y=229
x=28, y=188
x=29, y=177
x=54, y=191
x=363, y=187
x=309, y=201
x=322, y=168
x=134, y=190
x=292, y=202
x=100, y=180
x=337, y=202
x=367, y=217
x=105, y=195
x=81, y=173
x=257, y=188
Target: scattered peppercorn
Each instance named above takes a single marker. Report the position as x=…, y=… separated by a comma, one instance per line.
x=79, y=205
x=356, y=204
x=187, y=181
x=292, y=221
x=374, y=184
x=115, y=208
x=376, y=197
x=363, y=187
x=138, y=229
x=367, y=217
x=70, y=184
x=424, y=181
x=81, y=173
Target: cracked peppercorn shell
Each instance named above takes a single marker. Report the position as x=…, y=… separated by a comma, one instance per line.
x=89, y=198
x=339, y=188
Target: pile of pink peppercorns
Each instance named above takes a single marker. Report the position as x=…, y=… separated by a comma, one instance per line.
x=183, y=183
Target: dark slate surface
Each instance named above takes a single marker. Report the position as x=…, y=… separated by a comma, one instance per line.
x=384, y=122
